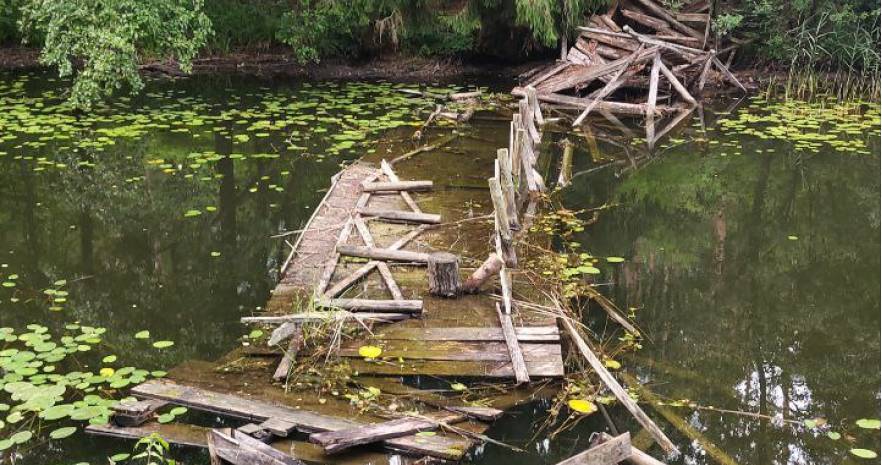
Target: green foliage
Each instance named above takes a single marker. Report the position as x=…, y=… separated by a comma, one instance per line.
x=244, y=23
x=548, y=18
x=825, y=35
x=109, y=38
x=152, y=450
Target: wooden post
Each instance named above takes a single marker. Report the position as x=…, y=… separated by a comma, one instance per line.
x=566, y=164
x=506, y=182
x=533, y=102
x=502, y=223
x=490, y=267
x=443, y=271
x=653, y=86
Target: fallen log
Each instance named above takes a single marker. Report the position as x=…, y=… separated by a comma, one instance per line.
x=488, y=269
x=396, y=186
x=620, y=393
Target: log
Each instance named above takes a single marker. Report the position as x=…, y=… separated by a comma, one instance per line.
x=135, y=413
x=390, y=173
x=401, y=216
x=488, y=269
x=284, y=331
x=566, y=164
x=646, y=20
x=525, y=334
x=608, y=452
x=593, y=72
x=241, y=449
x=663, y=14
x=653, y=87
x=638, y=457
x=620, y=393
x=680, y=88
x=290, y=354
x=464, y=95
x=519, y=366
x=396, y=186
x=324, y=317
x=636, y=109
x=383, y=254
x=619, y=41
x=333, y=442
x=727, y=74
x=610, y=86
x=358, y=305
x=443, y=274
x=608, y=21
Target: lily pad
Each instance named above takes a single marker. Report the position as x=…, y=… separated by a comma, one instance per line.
x=582, y=406
x=62, y=433
x=163, y=344
x=369, y=351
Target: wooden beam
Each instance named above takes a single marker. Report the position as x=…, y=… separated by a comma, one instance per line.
x=653, y=86
x=620, y=393
x=609, y=452
x=663, y=14
x=135, y=413
x=356, y=305
x=524, y=334
x=401, y=216
x=514, y=349
x=323, y=317
x=241, y=449
x=337, y=441
x=396, y=186
x=290, y=354
x=383, y=254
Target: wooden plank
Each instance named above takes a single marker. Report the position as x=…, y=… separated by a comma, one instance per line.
x=328, y=271
x=514, y=349
x=620, y=393
x=337, y=441
x=609, y=452
x=383, y=254
x=457, y=368
x=378, y=186
x=278, y=427
x=390, y=173
x=356, y=305
x=612, y=107
x=325, y=317
x=653, y=86
x=524, y=334
x=458, y=351
x=256, y=410
x=242, y=449
x=638, y=457
x=135, y=413
x=401, y=216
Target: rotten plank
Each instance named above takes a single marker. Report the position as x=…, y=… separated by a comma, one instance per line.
x=356, y=305
x=524, y=334
x=553, y=369
x=401, y=216
x=396, y=186
x=333, y=442
x=518, y=364
x=459, y=351
x=383, y=254
x=607, y=453
x=241, y=449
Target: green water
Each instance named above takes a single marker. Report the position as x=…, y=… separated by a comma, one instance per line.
x=752, y=250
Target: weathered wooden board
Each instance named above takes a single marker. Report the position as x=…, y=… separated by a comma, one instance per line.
x=524, y=333
x=337, y=441
x=259, y=411
x=455, y=350
x=608, y=453
x=135, y=413
x=241, y=449
x=358, y=305
x=457, y=368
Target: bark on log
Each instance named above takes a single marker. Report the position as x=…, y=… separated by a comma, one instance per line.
x=396, y=186
x=383, y=254
x=487, y=270
x=443, y=273
x=401, y=216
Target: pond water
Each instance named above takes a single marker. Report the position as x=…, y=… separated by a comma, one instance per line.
x=751, y=250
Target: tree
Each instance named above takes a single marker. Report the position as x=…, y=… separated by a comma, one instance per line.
x=100, y=43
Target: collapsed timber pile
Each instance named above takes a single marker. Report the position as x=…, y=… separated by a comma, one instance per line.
x=639, y=58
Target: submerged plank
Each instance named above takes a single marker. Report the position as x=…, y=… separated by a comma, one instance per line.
x=241, y=449
x=457, y=351
x=608, y=453
x=524, y=333
x=337, y=441
x=457, y=368
x=256, y=410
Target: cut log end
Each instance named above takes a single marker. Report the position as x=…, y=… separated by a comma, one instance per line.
x=443, y=273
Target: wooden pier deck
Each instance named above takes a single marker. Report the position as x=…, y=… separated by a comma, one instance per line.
x=397, y=213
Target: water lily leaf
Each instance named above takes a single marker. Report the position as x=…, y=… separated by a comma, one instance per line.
x=612, y=364
x=254, y=334
x=192, y=213
x=109, y=359
x=615, y=259
x=165, y=418
x=62, y=433
x=426, y=433
x=178, y=411
x=582, y=406
x=21, y=437
x=369, y=351
x=863, y=453
x=868, y=423
x=142, y=334
x=833, y=435
x=458, y=387
x=120, y=457
x=163, y=344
